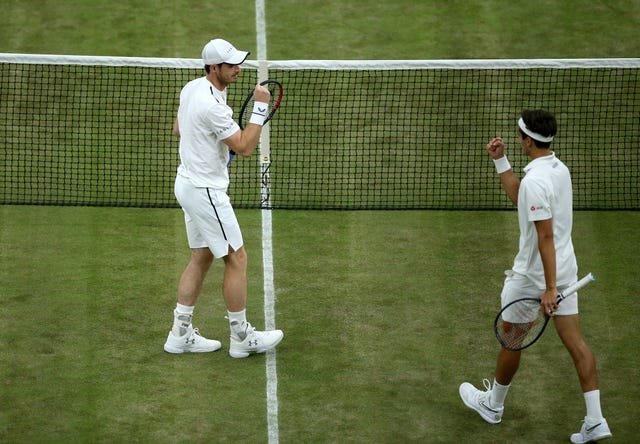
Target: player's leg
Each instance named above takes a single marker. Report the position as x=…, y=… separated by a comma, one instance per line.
x=507, y=365
x=183, y=337
x=595, y=426
x=490, y=403
x=234, y=286
x=193, y=276
x=245, y=340
x=568, y=328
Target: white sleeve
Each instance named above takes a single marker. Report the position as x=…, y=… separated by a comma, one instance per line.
x=220, y=120
x=536, y=199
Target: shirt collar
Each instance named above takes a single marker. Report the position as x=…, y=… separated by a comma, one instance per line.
x=539, y=161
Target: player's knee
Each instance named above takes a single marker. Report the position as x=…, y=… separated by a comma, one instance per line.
x=237, y=258
x=202, y=256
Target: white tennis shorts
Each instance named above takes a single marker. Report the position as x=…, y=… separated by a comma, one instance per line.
x=517, y=286
x=209, y=218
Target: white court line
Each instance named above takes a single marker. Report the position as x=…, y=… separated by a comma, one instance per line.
x=267, y=246
x=269, y=316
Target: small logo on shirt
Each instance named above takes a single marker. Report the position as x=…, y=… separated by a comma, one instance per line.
x=533, y=208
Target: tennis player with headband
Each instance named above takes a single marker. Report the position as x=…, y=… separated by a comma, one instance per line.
x=207, y=133
x=545, y=264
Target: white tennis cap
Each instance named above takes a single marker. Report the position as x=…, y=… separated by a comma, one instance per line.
x=220, y=51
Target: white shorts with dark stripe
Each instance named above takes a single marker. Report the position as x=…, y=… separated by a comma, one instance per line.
x=209, y=218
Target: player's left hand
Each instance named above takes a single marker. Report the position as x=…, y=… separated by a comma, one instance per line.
x=548, y=303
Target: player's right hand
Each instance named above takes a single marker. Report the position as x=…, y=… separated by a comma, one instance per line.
x=495, y=148
x=261, y=94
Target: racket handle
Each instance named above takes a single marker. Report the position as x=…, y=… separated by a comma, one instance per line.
x=575, y=287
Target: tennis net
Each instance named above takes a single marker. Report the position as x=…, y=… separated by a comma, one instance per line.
x=96, y=131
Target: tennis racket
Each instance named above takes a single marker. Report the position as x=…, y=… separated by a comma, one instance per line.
x=521, y=323
x=275, y=88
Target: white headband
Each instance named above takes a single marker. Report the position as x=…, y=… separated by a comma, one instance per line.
x=535, y=136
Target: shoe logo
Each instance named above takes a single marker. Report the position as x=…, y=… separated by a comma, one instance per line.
x=191, y=341
x=592, y=428
x=253, y=343
x=490, y=409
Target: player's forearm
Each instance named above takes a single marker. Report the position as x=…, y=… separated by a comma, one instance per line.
x=549, y=265
x=244, y=142
x=250, y=139
x=509, y=180
x=176, y=128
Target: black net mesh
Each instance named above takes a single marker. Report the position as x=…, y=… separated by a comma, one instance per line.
x=342, y=139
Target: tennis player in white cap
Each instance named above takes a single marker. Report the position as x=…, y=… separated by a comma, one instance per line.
x=207, y=133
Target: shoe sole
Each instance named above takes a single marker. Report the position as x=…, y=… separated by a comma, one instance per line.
x=591, y=439
x=178, y=351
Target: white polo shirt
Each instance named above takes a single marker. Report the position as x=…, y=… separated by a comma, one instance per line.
x=205, y=120
x=546, y=193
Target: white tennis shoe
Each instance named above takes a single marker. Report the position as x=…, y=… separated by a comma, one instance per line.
x=591, y=431
x=479, y=401
x=191, y=342
x=254, y=342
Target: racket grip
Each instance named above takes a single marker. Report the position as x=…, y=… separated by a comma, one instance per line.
x=577, y=286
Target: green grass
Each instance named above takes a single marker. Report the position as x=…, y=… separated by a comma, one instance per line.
x=455, y=29
x=410, y=319
x=384, y=313
x=83, y=328
x=335, y=29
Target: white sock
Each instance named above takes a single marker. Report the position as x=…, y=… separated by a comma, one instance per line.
x=592, y=399
x=238, y=323
x=182, y=316
x=498, y=394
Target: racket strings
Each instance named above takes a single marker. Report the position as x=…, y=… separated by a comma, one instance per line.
x=519, y=325
x=515, y=336
x=274, y=102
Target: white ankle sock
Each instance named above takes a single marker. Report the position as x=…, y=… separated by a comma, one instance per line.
x=182, y=316
x=592, y=399
x=498, y=394
x=238, y=323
